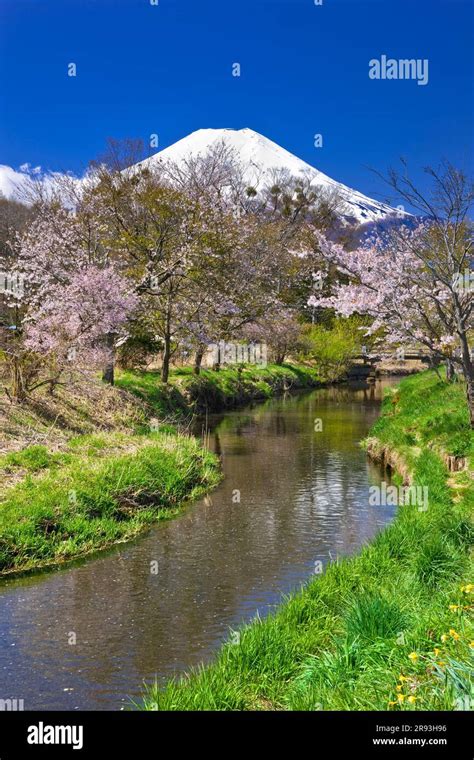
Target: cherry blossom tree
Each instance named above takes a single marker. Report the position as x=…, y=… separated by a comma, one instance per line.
x=409, y=283
x=74, y=320
x=73, y=299
x=278, y=328
x=200, y=269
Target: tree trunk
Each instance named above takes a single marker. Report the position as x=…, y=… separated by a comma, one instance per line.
x=198, y=359
x=450, y=373
x=165, y=367
x=470, y=396
x=108, y=375
x=18, y=387
x=468, y=372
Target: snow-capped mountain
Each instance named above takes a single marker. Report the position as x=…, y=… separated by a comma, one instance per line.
x=260, y=157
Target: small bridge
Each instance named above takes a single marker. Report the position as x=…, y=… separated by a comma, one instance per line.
x=364, y=365
x=397, y=356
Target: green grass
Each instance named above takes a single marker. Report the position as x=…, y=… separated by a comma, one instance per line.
x=427, y=412
x=214, y=391
x=107, y=488
x=388, y=629
x=32, y=459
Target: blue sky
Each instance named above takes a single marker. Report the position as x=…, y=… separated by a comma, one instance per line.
x=167, y=69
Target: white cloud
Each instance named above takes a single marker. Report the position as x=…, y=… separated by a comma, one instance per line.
x=11, y=181
x=14, y=183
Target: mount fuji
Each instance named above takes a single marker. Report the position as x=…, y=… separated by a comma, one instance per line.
x=260, y=158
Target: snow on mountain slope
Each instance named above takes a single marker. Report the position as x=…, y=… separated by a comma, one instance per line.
x=260, y=156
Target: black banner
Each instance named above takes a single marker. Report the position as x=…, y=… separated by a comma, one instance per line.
x=135, y=734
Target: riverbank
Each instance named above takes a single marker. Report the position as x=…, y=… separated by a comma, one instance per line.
x=95, y=466
x=388, y=629
x=212, y=391
x=99, y=491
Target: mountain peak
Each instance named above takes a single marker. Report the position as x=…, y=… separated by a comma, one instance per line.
x=260, y=157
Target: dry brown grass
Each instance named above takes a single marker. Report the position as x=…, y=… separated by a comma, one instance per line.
x=85, y=406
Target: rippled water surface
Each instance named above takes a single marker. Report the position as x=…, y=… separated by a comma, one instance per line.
x=303, y=498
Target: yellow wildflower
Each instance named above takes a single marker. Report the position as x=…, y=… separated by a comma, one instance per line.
x=399, y=687
x=468, y=589
x=403, y=678
x=444, y=638
x=413, y=656
x=436, y=651
x=454, y=634
x=411, y=699
x=401, y=697
x=471, y=644
x=454, y=607
x=392, y=703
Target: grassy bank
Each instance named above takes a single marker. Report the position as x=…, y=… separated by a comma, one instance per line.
x=389, y=629
x=215, y=391
x=100, y=490
x=85, y=469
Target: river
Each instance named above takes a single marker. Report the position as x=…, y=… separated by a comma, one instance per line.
x=295, y=493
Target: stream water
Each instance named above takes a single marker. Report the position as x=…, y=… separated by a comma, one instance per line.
x=293, y=494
